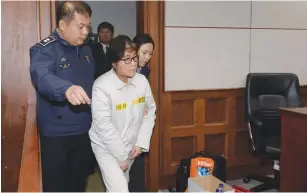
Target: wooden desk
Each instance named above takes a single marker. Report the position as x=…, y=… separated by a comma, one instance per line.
x=293, y=158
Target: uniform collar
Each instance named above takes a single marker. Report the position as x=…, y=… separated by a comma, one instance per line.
x=59, y=37
x=145, y=66
x=120, y=84
x=140, y=69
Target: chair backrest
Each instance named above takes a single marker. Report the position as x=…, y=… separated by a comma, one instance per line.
x=264, y=94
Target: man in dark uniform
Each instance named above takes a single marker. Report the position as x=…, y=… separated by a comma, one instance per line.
x=100, y=50
x=62, y=71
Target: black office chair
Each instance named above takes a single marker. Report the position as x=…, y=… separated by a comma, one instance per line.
x=264, y=94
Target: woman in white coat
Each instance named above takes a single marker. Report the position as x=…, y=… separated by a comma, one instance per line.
x=121, y=130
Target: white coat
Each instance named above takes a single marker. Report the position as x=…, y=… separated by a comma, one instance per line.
x=119, y=121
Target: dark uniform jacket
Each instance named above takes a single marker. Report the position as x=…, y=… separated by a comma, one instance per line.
x=55, y=65
x=145, y=71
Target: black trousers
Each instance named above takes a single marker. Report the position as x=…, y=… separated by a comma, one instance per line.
x=66, y=162
x=137, y=175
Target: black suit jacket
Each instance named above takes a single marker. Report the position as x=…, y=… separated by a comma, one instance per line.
x=102, y=62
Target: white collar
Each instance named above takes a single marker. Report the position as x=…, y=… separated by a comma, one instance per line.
x=119, y=84
x=104, y=45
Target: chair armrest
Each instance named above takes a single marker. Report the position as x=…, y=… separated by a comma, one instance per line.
x=254, y=120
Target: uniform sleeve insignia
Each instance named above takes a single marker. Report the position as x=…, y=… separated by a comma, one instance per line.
x=47, y=41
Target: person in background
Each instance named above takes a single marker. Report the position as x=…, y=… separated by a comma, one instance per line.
x=100, y=50
x=62, y=72
x=121, y=130
x=145, y=48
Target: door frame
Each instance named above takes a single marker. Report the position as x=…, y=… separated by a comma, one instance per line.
x=150, y=19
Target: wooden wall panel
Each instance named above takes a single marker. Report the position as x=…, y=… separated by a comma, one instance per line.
x=181, y=148
x=303, y=92
x=215, y=111
x=242, y=144
x=304, y=97
x=240, y=111
x=19, y=33
x=26, y=23
x=212, y=120
x=215, y=144
x=183, y=113
x=205, y=119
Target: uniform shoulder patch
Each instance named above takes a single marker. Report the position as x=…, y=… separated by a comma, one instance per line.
x=47, y=41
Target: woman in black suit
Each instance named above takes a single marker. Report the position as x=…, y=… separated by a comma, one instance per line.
x=145, y=48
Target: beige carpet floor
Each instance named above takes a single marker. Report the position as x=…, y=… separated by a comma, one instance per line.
x=95, y=182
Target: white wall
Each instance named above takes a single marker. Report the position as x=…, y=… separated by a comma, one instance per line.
x=121, y=14
x=214, y=45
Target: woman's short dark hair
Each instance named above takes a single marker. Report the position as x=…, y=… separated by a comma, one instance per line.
x=105, y=25
x=67, y=9
x=142, y=39
x=118, y=46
